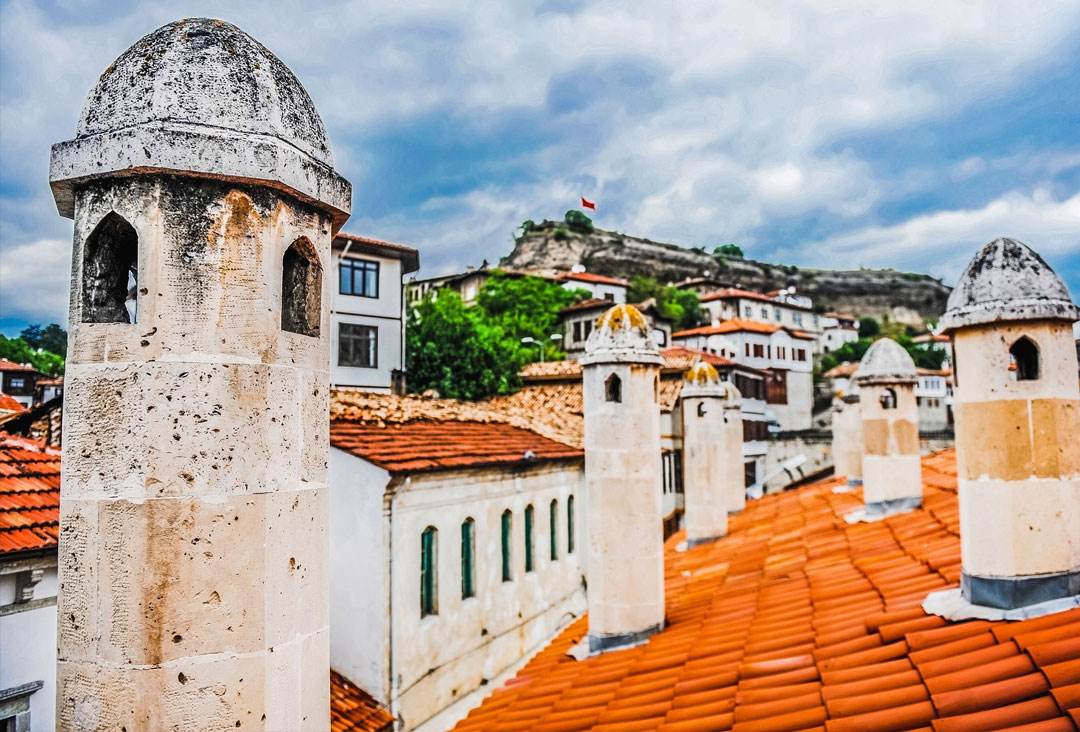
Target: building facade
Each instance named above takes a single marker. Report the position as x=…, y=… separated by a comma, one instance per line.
x=19, y=381
x=455, y=551
x=781, y=308
x=367, y=349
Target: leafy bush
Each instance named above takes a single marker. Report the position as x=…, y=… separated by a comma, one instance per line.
x=19, y=351
x=868, y=328
x=578, y=221
x=729, y=250
x=527, y=227
x=682, y=307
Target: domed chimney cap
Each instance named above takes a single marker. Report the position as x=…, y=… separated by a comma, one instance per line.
x=702, y=380
x=201, y=97
x=1007, y=281
x=621, y=335
x=886, y=362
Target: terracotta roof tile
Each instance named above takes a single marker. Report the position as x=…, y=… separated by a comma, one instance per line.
x=797, y=621
x=422, y=446
x=354, y=710
x=735, y=325
x=6, y=365
x=9, y=404
x=591, y=277
x=29, y=495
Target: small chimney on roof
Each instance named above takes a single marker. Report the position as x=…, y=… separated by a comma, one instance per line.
x=1018, y=418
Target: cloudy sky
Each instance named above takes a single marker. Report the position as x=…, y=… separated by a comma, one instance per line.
x=855, y=134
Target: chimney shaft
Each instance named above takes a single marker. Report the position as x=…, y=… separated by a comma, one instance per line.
x=847, y=442
x=623, y=481
x=1017, y=420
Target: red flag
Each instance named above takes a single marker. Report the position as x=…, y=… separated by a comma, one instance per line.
x=586, y=203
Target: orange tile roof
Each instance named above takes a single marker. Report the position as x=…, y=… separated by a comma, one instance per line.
x=680, y=357
x=590, y=277
x=8, y=403
x=29, y=495
x=730, y=292
x=798, y=620
x=6, y=365
x=422, y=446
x=354, y=710
x=735, y=325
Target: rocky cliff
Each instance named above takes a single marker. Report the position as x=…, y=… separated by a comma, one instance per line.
x=903, y=296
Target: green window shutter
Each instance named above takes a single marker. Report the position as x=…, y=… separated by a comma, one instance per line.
x=468, y=588
x=428, y=605
x=570, y=524
x=553, y=522
x=506, y=569
x=529, y=539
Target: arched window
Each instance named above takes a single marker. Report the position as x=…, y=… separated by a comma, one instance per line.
x=656, y=389
x=429, y=555
x=110, y=272
x=301, y=289
x=530, y=564
x=702, y=410
x=888, y=399
x=1025, y=356
x=570, y=525
x=613, y=389
x=468, y=563
x=507, y=525
x=553, y=522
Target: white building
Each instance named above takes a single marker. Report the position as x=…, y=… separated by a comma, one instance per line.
x=836, y=330
x=611, y=289
x=454, y=549
x=367, y=311
x=786, y=353
x=29, y=525
x=934, y=397
x=782, y=308
x=577, y=322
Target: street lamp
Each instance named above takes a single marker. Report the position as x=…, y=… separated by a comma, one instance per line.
x=542, y=342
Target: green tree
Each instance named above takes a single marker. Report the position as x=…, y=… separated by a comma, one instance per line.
x=526, y=307
x=578, y=221
x=868, y=328
x=926, y=358
x=682, y=307
x=449, y=348
x=527, y=227
x=19, y=351
x=729, y=250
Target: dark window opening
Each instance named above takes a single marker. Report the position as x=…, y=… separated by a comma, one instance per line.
x=428, y=568
x=776, y=387
x=672, y=464
x=570, y=525
x=110, y=272
x=750, y=473
x=888, y=399
x=507, y=569
x=301, y=289
x=1024, y=355
x=553, y=522
x=529, y=544
x=613, y=389
x=468, y=563
x=358, y=345
x=359, y=277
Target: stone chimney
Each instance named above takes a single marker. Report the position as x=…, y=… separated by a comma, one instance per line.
x=892, y=470
x=623, y=480
x=193, y=549
x=847, y=441
x=712, y=452
x=1017, y=428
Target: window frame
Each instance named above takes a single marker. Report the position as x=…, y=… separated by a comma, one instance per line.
x=506, y=526
x=553, y=523
x=468, y=558
x=570, y=524
x=530, y=543
x=429, y=572
x=366, y=265
x=341, y=338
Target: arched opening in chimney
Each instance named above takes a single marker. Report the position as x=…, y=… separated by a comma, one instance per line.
x=110, y=272
x=301, y=289
x=1024, y=355
x=888, y=399
x=613, y=389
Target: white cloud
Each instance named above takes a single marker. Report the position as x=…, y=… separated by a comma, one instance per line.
x=34, y=279
x=943, y=242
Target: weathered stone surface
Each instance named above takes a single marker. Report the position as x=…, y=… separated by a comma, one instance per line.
x=1007, y=281
x=886, y=362
x=201, y=97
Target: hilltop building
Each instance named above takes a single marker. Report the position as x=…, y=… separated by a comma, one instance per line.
x=19, y=381
x=367, y=313
x=578, y=320
x=780, y=308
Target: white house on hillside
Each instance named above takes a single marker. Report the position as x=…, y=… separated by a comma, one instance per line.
x=367, y=312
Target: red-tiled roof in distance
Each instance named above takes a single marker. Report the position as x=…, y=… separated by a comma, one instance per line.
x=6, y=365
x=29, y=495
x=798, y=620
x=732, y=292
x=422, y=446
x=735, y=325
x=8, y=403
x=354, y=710
x=590, y=277
x=410, y=257
x=684, y=358
x=540, y=370
x=596, y=303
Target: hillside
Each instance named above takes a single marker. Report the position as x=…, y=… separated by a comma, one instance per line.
x=903, y=296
